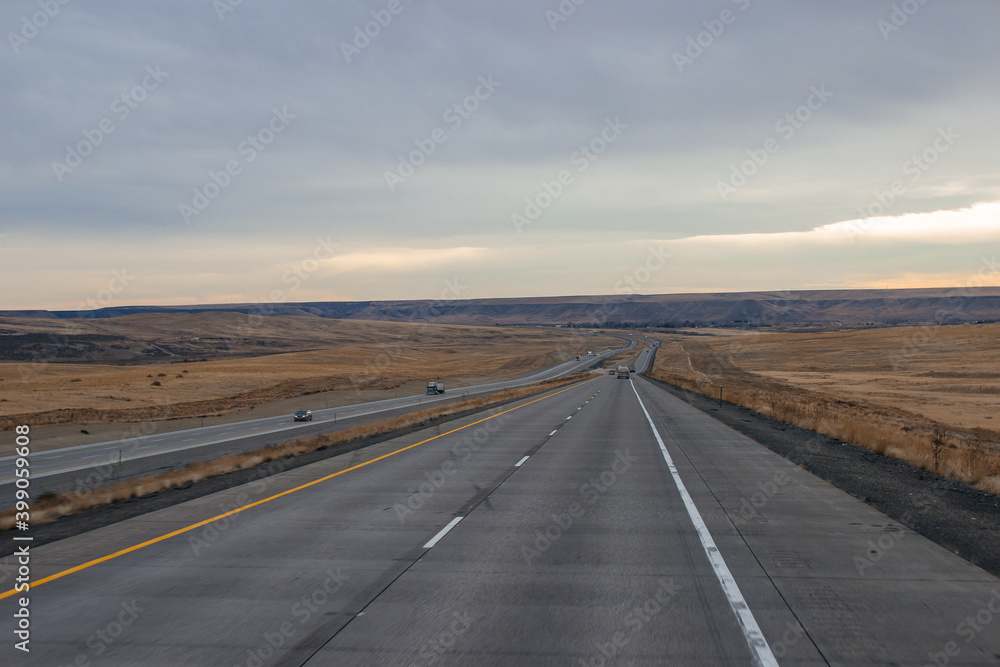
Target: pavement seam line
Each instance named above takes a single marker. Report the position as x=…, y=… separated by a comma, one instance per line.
x=755, y=639
x=179, y=531
x=465, y=512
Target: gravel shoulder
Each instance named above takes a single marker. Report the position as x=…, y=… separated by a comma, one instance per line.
x=958, y=517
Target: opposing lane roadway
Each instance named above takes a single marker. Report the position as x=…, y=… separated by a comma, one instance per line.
x=85, y=467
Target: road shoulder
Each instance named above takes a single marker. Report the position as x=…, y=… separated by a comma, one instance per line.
x=960, y=518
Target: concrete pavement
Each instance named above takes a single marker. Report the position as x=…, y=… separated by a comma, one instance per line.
x=583, y=553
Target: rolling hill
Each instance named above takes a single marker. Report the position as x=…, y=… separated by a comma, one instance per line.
x=801, y=308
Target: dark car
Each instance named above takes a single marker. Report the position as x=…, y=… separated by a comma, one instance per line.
x=303, y=416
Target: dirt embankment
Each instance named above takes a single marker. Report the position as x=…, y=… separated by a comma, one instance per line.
x=240, y=370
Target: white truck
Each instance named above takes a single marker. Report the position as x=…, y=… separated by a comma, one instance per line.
x=622, y=372
x=434, y=387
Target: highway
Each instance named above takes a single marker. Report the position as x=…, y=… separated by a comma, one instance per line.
x=603, y=523
x=90, y=466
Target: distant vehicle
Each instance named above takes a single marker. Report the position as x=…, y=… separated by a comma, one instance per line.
x=631, y=369
x=435, y=387
x=611, y=371
x=590, y=353
x=622, y=372
x=303, y=416
x=578, y=357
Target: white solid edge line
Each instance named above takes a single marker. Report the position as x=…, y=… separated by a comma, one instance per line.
x=444, y=531
x=518, y=464
x=751, y=631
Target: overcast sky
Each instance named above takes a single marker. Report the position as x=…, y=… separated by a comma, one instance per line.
x=200, y=152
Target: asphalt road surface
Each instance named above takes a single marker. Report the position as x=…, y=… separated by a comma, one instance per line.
x=85, y=467
x=604, y=523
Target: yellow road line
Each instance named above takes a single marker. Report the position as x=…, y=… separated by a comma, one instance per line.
x=183, y=445
x=179, y=531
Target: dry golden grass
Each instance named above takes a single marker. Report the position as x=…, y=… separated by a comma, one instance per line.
x=342, y=355
x=50, y=508
x=926, y=395
x=628, y=358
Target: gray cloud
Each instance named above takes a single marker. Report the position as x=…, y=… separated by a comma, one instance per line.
x=325, y=172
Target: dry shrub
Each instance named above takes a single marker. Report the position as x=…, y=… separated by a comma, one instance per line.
x=50, y=507
x=990, y=484
x=961, y=454
x=980, y=464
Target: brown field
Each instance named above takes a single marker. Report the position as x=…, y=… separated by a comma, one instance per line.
x=327, y=356
x=50, y=507
x=928, y=395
